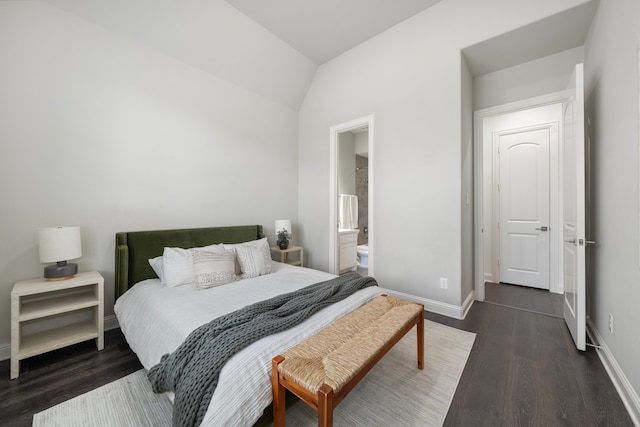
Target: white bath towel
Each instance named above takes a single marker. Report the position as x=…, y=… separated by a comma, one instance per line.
x=348, y=211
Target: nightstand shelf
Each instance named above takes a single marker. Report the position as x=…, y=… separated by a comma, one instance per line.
x=57, y=305
x=284, y=255
x=53, y=339
x=36, y=302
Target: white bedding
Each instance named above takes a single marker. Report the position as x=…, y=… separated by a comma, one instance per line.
x=156, y=319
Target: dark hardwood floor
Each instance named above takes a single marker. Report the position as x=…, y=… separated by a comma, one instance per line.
x=530, y=299
x=54, y=377
x=523, y=370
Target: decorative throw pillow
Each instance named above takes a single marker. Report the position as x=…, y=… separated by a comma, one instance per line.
x=178, y=264
x=254, y=258
x=232, y=248
x=213, y=268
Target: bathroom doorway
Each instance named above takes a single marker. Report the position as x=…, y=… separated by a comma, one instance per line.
x=351, y=197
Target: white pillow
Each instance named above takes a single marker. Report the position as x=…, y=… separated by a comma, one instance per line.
x=232, y=248
x=178, y=264
x=254, y=258
x=157, y=265
x=213, y=268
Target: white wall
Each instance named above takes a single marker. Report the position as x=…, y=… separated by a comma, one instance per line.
x=362, y=143
x=346, y=163
x=534, y=78
x=409, y=79
x=611, y=68
x=101, y=132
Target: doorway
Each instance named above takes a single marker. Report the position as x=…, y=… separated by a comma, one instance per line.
x=490, y=124
x=351, y=172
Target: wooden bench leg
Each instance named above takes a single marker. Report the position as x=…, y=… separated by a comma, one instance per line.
x=325, y=406
x=279, y=404
x=420, y=331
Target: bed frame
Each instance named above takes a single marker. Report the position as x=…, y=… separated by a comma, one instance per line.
x=134, y=249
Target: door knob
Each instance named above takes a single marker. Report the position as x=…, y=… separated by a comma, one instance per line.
x=543, y=228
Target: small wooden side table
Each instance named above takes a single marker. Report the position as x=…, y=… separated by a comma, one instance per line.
x=284, y=255
x=40, y=300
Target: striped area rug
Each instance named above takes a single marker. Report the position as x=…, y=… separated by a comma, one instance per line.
x=394, y=393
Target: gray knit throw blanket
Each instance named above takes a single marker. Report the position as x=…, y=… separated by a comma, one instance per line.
x=192, y=370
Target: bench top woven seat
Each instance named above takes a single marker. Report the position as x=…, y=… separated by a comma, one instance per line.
x=336, y=354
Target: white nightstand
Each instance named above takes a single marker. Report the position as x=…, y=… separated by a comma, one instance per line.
x=284, y=254
x=33, y=301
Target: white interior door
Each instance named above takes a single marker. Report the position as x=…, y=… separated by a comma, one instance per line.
x=524, y=207
x=573, y=209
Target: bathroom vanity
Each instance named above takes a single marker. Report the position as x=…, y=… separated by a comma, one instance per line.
x=348, y=243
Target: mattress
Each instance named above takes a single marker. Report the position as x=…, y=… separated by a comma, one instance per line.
x=156, y=319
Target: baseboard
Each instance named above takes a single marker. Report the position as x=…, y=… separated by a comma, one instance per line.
x=623, y=386
x=449, y=310
x=466, y=305
x=110, y=322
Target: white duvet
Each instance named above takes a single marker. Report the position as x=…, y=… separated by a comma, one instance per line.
x=156, y=319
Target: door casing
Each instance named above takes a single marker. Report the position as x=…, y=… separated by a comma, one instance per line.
x=334, y=133
x=481, y=121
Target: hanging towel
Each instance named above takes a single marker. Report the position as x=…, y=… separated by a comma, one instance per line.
x=348, y=212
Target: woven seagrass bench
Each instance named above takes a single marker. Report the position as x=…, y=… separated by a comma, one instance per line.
x=324, y=368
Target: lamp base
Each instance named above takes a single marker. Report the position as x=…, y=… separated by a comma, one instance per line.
x=60, y=271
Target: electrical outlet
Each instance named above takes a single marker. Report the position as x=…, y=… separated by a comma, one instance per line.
x=443, y=283
x=610, y=322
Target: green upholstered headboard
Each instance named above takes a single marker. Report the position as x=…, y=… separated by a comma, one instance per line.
x=133, y=249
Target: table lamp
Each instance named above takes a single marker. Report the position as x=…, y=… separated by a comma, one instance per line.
x=59, y=244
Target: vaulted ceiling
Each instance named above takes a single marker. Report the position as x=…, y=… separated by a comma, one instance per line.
x=273, y=47
x=324, y=29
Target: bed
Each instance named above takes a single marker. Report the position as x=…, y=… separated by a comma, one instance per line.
x=155, y=319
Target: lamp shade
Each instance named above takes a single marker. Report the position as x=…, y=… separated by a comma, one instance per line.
x=283, y=224
x=58, y=244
